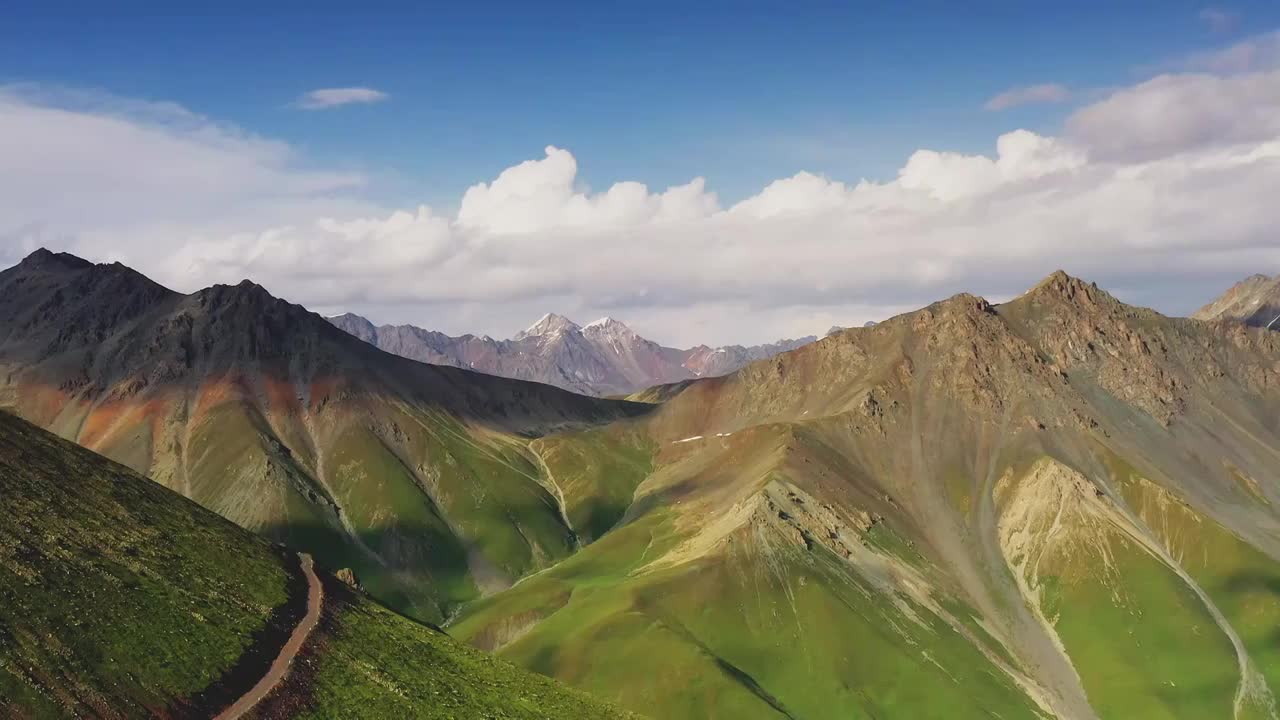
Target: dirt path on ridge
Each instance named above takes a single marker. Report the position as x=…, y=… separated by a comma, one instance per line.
x=280, y=666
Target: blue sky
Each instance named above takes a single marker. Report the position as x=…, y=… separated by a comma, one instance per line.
x=1136, y=144
x=738, y=92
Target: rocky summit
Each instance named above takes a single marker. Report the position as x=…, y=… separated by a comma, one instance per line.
x=1253, y=301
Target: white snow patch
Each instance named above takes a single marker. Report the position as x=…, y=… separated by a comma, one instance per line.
x=688, y=439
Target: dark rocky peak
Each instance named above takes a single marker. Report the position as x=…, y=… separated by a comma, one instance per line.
x=249, y=289
x=48, y=261
x=236, y=325
x=55, y=300
x=74, y=276
x=244, y=293
x=67, y=269
x=249, y=305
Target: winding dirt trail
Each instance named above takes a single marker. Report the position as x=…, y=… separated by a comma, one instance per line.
x=280, y=666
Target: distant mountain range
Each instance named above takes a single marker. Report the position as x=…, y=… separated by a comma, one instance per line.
x=601, y=358
x=1252, y=301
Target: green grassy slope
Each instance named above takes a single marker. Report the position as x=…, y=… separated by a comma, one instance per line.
x=1144, y=644
x=368, y=662
x=596, y=472
x=429, y=512
x=116, y=596
x=744, y=636
x=738, y=615
x=119, y=598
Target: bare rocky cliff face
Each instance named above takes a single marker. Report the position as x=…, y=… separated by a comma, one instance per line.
x=1253, y=301
x=603, y=358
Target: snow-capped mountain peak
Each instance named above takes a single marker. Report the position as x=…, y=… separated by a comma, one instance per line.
x=604, y=357
x=549, y=324
x=608, y=326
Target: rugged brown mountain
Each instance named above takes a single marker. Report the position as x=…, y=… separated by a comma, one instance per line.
x=1253, y=301
x=1062, y=505
x=602, y=358
x=416, y=476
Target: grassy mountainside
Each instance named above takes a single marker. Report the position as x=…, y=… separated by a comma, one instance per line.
x=1061, y=506
x=119, y=598
x=417, y=477
x=368, y=662
x=116, y=596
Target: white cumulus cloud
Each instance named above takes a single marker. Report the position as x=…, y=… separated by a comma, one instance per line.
x=1163, y=191
x=126, y=178
x=1173, y=113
